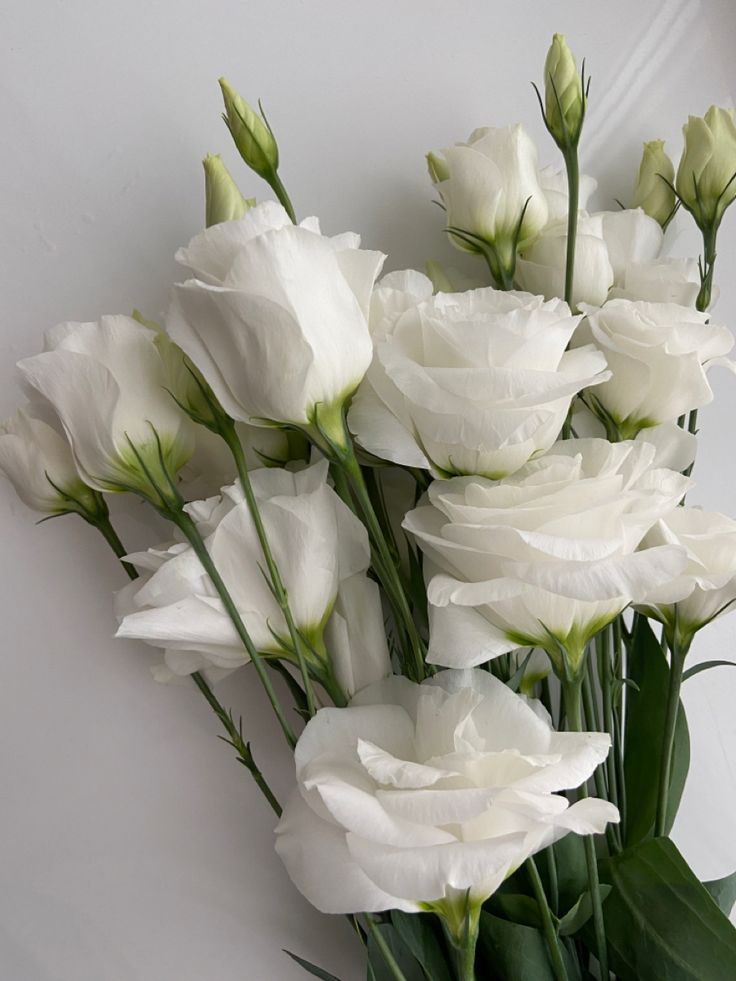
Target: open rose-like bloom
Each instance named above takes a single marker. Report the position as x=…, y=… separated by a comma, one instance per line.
x=617, y=254
x=276, y=316
x=467, y=383
x=548, y=556
x=416, y=794
x=708, y=582
x=37, y=460
x=319, y=547
x=658, y=354
x=488, y=183
x=109, y=384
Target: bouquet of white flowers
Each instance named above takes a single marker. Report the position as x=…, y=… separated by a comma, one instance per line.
x=447, y=537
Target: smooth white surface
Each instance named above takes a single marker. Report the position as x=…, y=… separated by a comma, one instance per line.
x=132, y=846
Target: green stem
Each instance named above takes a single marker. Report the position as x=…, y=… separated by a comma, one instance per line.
x=230, y=436
x=573, y=710
x=237, y=742
x=553, y=879
x=548, y=927
x=602, y=788
x=105, y=527
x=385, y=564
x=708, y=267
x=279, y=190
x=395, y=971
x=190, y=531
x=678, y=655
x=573, y=194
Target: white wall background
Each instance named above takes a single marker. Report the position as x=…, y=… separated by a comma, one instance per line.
x=132, y=847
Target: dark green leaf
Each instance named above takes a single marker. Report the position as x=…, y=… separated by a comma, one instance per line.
x=579, y=914
x=312, y=969
x=661, y=923
x=645, y=718
x=723, y=891
x=572, y=871
x=420, y=933
x=408, y=964
x=518, y=909
x=512, y=952
x=704, y=666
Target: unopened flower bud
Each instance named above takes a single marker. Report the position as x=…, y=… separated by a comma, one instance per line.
x=706, y=177
x=564, y=95
x=223, y=200
x=653, y=192
x=251, y=133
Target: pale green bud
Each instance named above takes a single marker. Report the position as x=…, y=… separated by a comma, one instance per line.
x=437, y=167
x=223, y=200
x=564, y=104
x=251, y=133
x=653, y=192
x=706, y=177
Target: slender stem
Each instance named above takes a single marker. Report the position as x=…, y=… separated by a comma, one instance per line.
x=553, y=879
x=599, y=776
x=384, y=561
x=396, y=973
x=707, y=268
x=190, y=531
x=573, y=709
x=548, y=927
x=237, y=742
x=678, y=654
x=229, y=434
x=573, y=194
x=105, y=528
x=279, y=190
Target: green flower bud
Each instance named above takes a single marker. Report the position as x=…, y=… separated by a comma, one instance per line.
x=437, y=167
x=564, y=96
x=223, y=200
x=251, y=133
x=706, y=177
x=653, y=192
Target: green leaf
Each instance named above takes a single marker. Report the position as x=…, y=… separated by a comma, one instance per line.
x=512, y=952
x=661, y=923
x=408, y=964
x=645, y=718
x=705, y=666
x=579, y=914
x=312, y=969
x=417, y=931
x=518, y=909
x=572, y=870
x=723, y=891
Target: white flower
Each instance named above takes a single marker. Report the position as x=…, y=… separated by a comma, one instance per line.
x=474, y=382
x=109, y=384
x=355, y=635
x=707, y=585
x=38, y=462
x=613, y=249
x=316, y=541
x=276, y=317
x=554, y=185
x=548, y=556
x=705, y=177
x=658, y=354
x=485, y=185
x=416, y=794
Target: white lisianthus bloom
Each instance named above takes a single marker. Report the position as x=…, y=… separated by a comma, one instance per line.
x=109, y=385
x=317, y=543
x=554, y=185
x=37, y=460
x=548, y=556
x=276, y=316
x=485, y=185
x=464, y=383
x=419, y=797
x=709, y=579
x=658, y=354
